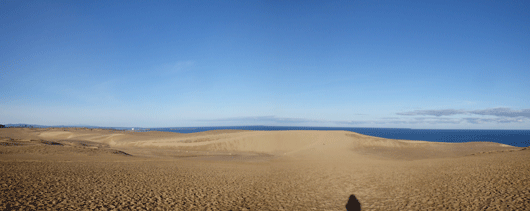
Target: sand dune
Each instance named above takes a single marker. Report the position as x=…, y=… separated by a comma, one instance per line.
x=73, y=168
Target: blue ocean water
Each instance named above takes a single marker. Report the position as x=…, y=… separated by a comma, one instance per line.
x=519, y=138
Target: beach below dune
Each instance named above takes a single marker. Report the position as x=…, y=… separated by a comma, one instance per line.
x=75, y=168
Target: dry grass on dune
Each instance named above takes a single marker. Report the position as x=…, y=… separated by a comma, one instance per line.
x=72, y=169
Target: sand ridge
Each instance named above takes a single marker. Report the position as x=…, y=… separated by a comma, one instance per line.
x=79, y=168
x=270, y=142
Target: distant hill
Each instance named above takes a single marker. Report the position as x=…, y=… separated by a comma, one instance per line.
x=85, y=126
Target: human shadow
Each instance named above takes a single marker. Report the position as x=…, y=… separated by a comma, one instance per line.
x=353, y=204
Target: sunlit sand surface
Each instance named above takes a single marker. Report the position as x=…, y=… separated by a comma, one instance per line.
x=95, y=169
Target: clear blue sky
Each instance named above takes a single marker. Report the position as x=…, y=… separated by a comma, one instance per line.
x=412, y=64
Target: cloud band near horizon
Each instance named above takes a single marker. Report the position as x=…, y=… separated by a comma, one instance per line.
x=500, y=116
x=498, y=112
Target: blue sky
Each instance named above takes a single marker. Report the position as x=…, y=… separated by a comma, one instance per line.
x=409, y=64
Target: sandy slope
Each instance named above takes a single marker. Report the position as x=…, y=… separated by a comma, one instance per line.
x=255, y=170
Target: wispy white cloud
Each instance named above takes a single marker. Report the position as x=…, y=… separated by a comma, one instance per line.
x=494, y=120
x=503, y=112
x=351, y=122
x=442, y=112
x=404, y=121
x=408, y=119
x=266, y=119
x=499, y=112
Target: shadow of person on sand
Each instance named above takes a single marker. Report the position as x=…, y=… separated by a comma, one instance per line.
x=353, y=204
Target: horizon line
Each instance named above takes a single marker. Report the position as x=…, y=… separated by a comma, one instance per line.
x=122, y=127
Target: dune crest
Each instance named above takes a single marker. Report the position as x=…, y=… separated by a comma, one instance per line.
x=328, y=144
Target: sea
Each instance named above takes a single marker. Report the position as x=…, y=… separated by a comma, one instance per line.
x=518, y=138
